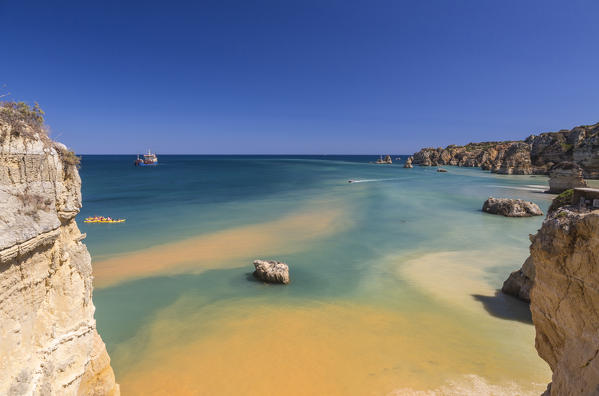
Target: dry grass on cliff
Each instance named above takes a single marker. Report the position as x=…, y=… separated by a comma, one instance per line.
x=28, y=122
x=24, y=120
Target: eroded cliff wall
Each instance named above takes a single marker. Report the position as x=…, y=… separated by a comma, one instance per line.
x=48, y=338
x=535, y=155
x=565, y=299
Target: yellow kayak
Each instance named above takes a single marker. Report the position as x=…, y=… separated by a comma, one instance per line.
x=100, y=219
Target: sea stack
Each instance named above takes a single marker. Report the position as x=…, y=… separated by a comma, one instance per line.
x=271, y=271
x=511, y=207
x=564, y=176
x=48, y=338
x=408, y=163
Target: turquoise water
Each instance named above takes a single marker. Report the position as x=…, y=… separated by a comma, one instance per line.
x=406, y=243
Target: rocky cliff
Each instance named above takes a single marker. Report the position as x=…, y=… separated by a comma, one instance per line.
x=535, y=155
x=48, y=338
x=560, y=278
x=565, y=299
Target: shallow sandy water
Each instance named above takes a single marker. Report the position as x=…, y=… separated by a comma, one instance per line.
x=394, y=282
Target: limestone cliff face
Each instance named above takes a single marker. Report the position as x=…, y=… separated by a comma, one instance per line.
x=535, y=155
x=48, y=338
x=565, y=299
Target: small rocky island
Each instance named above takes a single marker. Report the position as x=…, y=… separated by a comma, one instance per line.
x=387, y=160
x=271, y=271
x=511, y=207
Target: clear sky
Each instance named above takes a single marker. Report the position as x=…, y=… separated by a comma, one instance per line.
x=306, y=76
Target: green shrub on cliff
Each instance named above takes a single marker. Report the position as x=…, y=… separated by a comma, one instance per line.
x=563, y=199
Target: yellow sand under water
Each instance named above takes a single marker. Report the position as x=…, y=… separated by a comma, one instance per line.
x=219, y=250
x=332, y=349
x=256, y=347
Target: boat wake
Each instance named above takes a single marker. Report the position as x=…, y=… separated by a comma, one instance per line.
x=529, y=187
x=369, y=180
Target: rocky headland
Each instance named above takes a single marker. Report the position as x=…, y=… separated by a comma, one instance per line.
x=49, y=344
x=538, y=154
x=561, y=281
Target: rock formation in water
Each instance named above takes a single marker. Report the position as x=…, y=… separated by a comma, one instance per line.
x=536, y=155
x=271, y=271
x=565, y=176
x=511, y=207
x=48, y=339
x=408, y=163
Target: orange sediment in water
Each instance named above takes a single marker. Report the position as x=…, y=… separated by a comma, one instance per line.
x=220, y=249
x=252, y=348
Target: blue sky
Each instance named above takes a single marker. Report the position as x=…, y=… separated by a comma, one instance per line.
x=323, y=77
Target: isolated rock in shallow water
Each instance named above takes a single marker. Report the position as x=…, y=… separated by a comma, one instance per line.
x=408, y=163
x=271, y=271
x=511, y=207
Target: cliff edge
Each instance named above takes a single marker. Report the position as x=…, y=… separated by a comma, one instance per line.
x=565, y=298
x=48, y=338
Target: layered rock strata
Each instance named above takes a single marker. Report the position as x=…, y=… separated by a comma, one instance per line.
x=535, y=155
x=49, y=344
x=511, y=207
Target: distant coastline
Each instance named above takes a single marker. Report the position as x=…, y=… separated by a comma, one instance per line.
x=535, y=155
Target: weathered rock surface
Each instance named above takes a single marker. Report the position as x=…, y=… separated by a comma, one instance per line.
x=535, y=155
x=271, y=271
x=564, y=176
x=511, y=207
x=565, y=299
x=49, y=344
x=520, y=282
x=408, y=163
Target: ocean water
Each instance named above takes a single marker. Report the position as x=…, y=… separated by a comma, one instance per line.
x=394, y=277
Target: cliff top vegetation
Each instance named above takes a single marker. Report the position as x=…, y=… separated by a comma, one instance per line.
x=24, y=120
x=28, y=122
